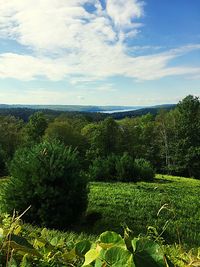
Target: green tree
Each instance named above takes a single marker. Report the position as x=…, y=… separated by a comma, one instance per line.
x=47, y=177
x=165, y=129
x=104, y=137
x=10, y=139
x=35, y=128
x=139, y=137
x=63, y=131
x=188, y=136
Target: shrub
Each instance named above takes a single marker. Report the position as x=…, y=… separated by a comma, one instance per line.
x=98, y=170
x=143, y=170
x=121, y=168
x=125, y=168
x=103, y=169
x=47, y=177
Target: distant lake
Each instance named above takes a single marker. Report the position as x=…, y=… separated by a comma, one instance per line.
x=119, y=110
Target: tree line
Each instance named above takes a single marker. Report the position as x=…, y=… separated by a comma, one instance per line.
x=169, y=141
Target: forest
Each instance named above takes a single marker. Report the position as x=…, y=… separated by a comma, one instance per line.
x=162, y=140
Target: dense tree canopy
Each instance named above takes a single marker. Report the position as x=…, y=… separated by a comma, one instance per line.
x=188, y=136
x=35, y=128
x=170, y=140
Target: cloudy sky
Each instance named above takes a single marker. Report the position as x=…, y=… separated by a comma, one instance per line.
x=99, y=52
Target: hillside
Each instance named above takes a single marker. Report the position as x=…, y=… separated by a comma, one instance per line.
x=114, y=206
x=95, y=115
x=73, y=108
x=143, y=111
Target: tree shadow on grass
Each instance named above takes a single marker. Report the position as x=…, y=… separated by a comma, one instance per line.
x=163, y=181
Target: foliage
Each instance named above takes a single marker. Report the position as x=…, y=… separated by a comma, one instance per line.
x=35, y=128
x=120, y=168
x=63, y=131
x=125, y=168
x=103, y=169
x=161, y=139
x=2, y=163
x=188, y=137
x=143, y=170
x=30, y=246
x=21, y=245
x=139, y=137
x=104, y=138
x=10, y=140
x=192, y=160
x=165, y=129
x=22, y=248
x=47, y=177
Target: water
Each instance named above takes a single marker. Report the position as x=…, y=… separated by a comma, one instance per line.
x=119, y=110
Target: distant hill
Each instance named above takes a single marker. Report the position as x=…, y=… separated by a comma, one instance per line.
x=139, y=112
x=74, y=108
x=23, y=112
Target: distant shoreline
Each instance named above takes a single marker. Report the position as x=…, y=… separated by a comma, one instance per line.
x=119, y=110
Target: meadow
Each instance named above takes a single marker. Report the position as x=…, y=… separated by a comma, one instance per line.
x=137, y=206
x=168, y=209
x=113, y=206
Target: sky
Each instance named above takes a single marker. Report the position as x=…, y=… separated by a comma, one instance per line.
x=99, y=52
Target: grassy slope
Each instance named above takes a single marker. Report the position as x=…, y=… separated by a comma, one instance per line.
x=137, y=206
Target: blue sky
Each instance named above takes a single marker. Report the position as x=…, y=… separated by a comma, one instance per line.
x=99, y=52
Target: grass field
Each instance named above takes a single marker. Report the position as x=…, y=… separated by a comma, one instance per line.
x=111, y=205
x=137, y=205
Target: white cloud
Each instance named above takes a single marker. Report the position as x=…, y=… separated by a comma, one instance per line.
x=24, y=67
x=68, y=41
x=123, y=11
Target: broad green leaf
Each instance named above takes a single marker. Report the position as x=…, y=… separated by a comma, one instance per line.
x=69, y=256
x=108, y=239
x=82, y=247
x=23, y=249
x=117, y=256
x=99, y=263
x=21, y=241
x=54, y=241
x=148, y=253
x=21, y=244
x=91, y=256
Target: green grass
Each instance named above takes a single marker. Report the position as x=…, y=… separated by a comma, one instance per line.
x=137, y=205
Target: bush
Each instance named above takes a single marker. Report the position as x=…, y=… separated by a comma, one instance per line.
x=103, y=169
x=143, y=170
x=47, y=177
x=121, y=168
x=125, y=168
